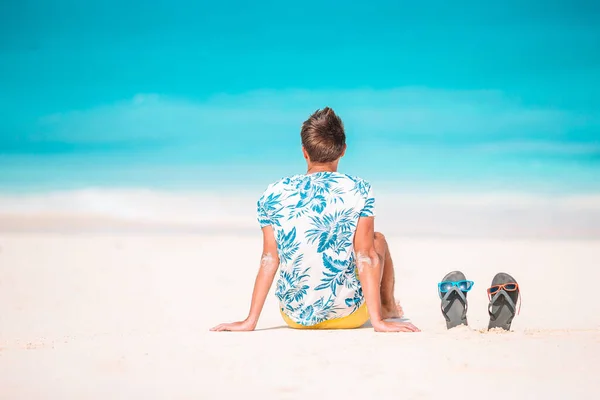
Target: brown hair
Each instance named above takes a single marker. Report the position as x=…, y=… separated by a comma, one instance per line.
x=323, y=136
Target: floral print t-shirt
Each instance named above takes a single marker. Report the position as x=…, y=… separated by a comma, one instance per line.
x=314, y=218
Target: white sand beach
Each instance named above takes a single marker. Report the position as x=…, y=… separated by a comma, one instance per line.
x=90, y=313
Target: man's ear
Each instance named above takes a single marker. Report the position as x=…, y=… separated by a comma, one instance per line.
x=344, y=151
x=305, y=154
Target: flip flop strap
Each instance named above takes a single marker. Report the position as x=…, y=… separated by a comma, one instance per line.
x=509, y=302
x=446, y=302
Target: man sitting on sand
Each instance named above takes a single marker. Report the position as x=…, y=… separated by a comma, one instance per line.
x=318, y=229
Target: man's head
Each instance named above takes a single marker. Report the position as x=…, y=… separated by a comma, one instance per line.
x=323, y=137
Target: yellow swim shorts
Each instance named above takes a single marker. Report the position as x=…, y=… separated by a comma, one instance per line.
x=355, y=320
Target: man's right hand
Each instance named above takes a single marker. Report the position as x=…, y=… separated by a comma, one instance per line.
x=241, y=326
x=385, y=326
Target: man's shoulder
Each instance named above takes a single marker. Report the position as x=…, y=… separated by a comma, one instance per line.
x=359, y=184
x=357, y=179
x=279, y=185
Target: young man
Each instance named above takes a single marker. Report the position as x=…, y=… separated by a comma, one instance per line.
x=318, y=229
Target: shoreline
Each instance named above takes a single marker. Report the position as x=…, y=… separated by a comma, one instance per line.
x=65, y=224
x=455, y=215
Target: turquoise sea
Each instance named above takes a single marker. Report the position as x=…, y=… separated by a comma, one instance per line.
x=461, y=98
x=404, y=144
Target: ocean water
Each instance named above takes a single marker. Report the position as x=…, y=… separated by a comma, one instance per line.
x=404, y=138
x=150, y=110
x=407, y=169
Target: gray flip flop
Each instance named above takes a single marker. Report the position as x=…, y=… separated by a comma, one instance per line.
x=454, y=302
x=503, y=304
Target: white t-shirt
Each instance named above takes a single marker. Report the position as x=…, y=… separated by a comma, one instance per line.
x=314, y=218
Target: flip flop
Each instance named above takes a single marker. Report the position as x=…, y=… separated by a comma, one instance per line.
x=454, y=303
x=503, y=301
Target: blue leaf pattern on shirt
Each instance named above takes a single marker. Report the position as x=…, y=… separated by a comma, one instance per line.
x=269, y=209
x=287, y=244
x=292, y=284
x=334, y=231
x=334, y=275
x=319, y=311
x=367, y=211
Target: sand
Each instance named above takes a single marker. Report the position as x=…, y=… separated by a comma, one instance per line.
x=123, y=315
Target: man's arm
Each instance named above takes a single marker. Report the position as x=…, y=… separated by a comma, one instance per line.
x=269, y=262
x=370, y=272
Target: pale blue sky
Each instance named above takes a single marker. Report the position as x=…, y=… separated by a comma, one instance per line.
x=134, y=92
